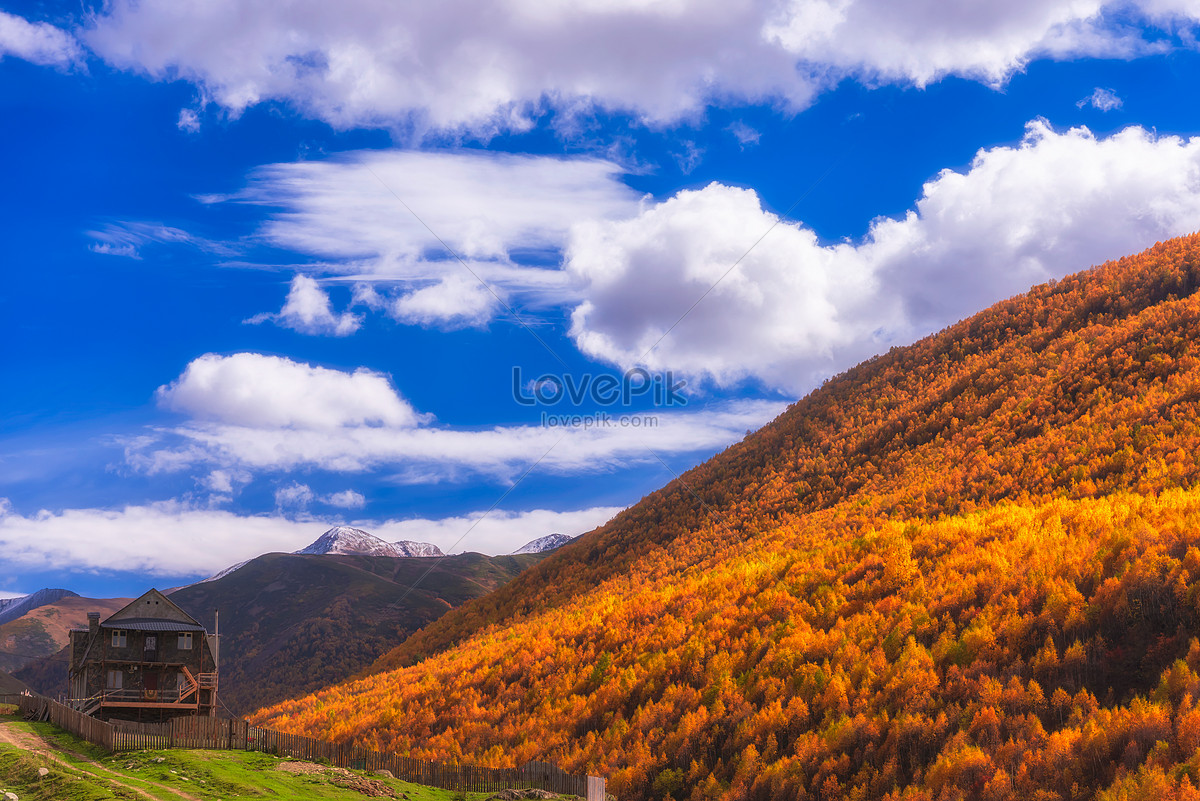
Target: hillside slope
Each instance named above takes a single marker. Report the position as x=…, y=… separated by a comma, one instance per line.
x=42, y=630
x=291, y=623
x=992, y=408
x=966, y=568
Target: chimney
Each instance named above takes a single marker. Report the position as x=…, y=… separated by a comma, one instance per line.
x=93, y=622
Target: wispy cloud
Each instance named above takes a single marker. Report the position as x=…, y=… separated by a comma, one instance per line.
x=129, y=238
x=1102, y=99
x=205, y=541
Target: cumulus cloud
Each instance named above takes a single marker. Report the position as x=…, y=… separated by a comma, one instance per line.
x=1102, y=99
x=789, y=295
x=38, y=42
x=205, y=541
x=917, y=42
x=455, y=301
x=794, y=309
x=271, y=392
x=294, y=496
x=254, y=413
x=308, y=310
x=496, y=66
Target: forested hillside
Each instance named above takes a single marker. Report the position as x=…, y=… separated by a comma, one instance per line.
x=966, y=568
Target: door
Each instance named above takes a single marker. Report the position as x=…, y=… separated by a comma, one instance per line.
x=150, y=685
x=150, y=651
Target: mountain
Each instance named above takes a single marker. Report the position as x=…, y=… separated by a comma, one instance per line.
x=967, y=568
x=42, y=629
x=291, y=623
x=544, y=544
x=9, y=685
x=13, y=608
x=346, y=540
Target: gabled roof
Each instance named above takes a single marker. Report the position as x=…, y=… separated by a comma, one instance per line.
x=150, y=624
x=152, y=606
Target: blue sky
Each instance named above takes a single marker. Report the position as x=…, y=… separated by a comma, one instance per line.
x=272, y=269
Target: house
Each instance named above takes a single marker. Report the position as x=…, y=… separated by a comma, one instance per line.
x=150, y=661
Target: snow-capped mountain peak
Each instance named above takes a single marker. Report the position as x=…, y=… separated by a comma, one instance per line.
x=411, y=548
x=543, y=544
x=347, y=540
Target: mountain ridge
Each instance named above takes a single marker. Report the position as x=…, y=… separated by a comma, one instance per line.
x=544, y=544
x=13, y=608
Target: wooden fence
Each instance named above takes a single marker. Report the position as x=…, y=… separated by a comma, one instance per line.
x=83, y=726
x=213, y=733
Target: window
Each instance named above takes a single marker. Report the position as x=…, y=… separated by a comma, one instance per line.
x=185, y=641
x=118, y=640
x=115, y=678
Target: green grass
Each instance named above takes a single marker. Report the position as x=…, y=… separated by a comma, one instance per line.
x=210, y=775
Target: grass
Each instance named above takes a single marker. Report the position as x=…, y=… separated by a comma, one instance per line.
x=209, y=775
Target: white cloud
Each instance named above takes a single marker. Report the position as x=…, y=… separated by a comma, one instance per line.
x=794, y=310
x=189, y=121
x=129, y=238
x=346, y=499
x=308, y=310
x=38, y=42
x=498, y=532
x=6, y=594
x=495, y=66
x=787, y=297
x=388, y=210
x=455, y=301
x=431, y=454
x=222, y=482
x=746, y=136
x=1102, y=99
x=205, y=541
x=919, y=42
x=252, y=413
x=387, y=217
x=130, y=539
x=295, y=496
x=250, y=389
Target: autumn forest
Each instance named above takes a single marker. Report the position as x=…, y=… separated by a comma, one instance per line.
x=968, y=568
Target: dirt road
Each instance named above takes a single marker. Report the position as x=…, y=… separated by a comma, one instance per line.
x=30, y=741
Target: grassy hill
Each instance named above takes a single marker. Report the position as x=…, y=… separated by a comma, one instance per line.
x=968, y=568
x=76, y=771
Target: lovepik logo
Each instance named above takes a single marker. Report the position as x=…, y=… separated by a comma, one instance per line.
x=605, y=389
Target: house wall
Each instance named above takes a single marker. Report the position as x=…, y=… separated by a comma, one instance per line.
x=89, y=667
x=198, y=659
